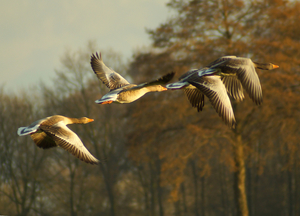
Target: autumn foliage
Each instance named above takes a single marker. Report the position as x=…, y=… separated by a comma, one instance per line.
x=160, y=156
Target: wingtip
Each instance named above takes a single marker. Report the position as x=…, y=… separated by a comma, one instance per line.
x=172, y=74
x=97, y=162
x=167, y=78
x=259, y=102
x=97, y=56
x=233, y=125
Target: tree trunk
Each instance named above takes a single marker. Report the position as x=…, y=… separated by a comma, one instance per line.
x=109, y=189
x=145, y=190
x=184, y=206
x=177, y=210
x=291, y=190
x=239, y=177
x=203, y=196
x=194, y=171
x=159, y=189
x=224, y=196
x=72, y=176
x=297, y=191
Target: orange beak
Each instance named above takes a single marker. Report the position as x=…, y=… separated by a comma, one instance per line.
x=275, y=66
x=90, y=120
x=107, y=102
x=164, y=89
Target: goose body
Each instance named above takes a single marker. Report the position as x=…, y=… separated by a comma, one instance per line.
x=121, y=91
x=238, y=73
x=53, y=131
x=227, y=74
x=211, y=86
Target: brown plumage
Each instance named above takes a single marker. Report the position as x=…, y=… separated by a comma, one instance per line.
x=238, y=73
x=52, y=131
x=121, y=91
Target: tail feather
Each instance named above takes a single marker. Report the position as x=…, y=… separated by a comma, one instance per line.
x=22, y=131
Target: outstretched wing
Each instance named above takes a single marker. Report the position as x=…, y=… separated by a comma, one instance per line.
x=68, y=140
x=42, y=140
x=160, y=81
x=220, y=61
x=245, y=71
x=234, y=87
x=215, y=90
x=109, y=77
x=195, y=96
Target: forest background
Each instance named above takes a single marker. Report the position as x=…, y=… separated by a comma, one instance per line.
x=161, y=156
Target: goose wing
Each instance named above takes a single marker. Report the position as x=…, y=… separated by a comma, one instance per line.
x=195, y=96
x=186, y=75
x=220, y=61
x=109, y=77
x=68, y=140
x=234, y=87
x=42, y=140
x=245, y=71
x=215, y=90
x=160, y=81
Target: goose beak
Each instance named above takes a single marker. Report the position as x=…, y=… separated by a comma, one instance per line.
x=275, y=66
x=107, y=102
x=164, y=89
x=90, y=120
x=104, y=102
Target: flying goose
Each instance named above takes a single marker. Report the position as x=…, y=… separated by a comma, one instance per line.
x=52, y=131
x=239, y=72
x=121, y=91
x=196, y=87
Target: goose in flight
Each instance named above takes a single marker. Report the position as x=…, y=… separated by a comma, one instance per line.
x=52, y=131
x=121, y=91
x=238, y=73
x=196, y=87
x=235, y=73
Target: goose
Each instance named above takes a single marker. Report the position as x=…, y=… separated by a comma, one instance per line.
x=52, y=131
x=121, y=91
x=235, y=73
x=238, y=73
x=196, y=87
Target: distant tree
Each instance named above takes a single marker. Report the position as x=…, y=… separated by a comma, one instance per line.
x=75, y=90
x=22, y=164
x=202, y=31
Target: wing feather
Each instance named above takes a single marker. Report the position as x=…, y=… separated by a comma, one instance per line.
x=196, y=97
x=42, y=140
x=245, y=71
x=68, y=140
x=234, y=87
x=160, y=81
x=215, y=90
x=108, y=76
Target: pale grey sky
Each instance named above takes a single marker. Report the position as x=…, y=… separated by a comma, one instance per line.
x=35, y=34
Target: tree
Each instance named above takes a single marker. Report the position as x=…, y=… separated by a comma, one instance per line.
x=205, y=30
x=22, y=165
x=75, y=91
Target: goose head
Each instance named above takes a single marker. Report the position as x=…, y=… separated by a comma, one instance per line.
x=85, y=120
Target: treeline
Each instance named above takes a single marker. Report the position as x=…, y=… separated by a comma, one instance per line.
x=160, y=156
